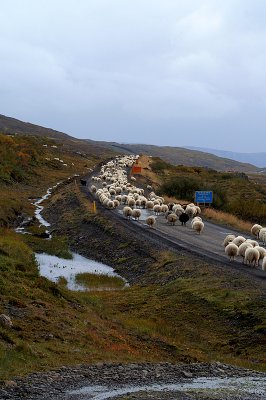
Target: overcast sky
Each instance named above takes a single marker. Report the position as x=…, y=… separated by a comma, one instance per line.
x=167, y=72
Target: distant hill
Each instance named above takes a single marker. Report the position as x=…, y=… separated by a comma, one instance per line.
x=173, y=155
x=184, y=156
x=14, y=126
x=257, y=159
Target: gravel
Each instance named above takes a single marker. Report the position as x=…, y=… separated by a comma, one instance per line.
x=139, y=381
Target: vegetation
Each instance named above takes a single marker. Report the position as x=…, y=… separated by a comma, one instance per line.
x=181, y=310
x=92, y=281
x=233, y=192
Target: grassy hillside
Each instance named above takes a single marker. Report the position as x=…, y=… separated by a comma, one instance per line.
x=173, y=155
x=182, y=156
x=31, y=164
x=233, y=192
x=181, y=310
x=178, y=309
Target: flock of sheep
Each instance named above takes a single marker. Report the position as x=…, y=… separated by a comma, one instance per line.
x=115, y=190
x=249, y=249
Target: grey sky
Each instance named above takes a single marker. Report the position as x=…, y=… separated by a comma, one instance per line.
x=168, y=72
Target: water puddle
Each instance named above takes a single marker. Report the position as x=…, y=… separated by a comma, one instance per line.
x=255, y=386
x=144, y=214
x=53, y=268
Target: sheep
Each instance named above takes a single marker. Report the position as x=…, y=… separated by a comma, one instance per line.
x=178, y=210
x=191, y=211
x=110, y=204
x=228, y=239
x=252, y=256
x=255, y=230
x=242, y=249
x=127, y=211
x=262, y=235
x=149, y=187
x=183, y=218
x=262, y=252
x=93, y=189
x=124, y=199
x=136, y=214
x=263, y=267
x=157, y=209
x=231, y=250
x=198, y=226
x=239, y=240
x=116, y=203
x=164, y=208
x=150, y=221
x=131, y=202
x=171, y=219
x=253, y=242
x=149, y=205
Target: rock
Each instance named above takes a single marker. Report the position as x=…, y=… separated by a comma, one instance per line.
x=5, y=321
x=11, y=384
x=187, y=374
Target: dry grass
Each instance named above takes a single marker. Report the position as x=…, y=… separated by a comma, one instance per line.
x=226, y=219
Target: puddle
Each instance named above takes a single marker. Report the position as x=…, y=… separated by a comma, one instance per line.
x=144, y=214
x=53, y=267
x=220, y=386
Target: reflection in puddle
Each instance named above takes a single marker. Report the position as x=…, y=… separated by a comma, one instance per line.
x=53, y=268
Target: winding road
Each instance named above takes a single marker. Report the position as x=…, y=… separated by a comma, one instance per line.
x=207, y=245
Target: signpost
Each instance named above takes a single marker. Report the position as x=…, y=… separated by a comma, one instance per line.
x=203, y=197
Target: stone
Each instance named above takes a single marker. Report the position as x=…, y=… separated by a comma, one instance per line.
x=5, y=321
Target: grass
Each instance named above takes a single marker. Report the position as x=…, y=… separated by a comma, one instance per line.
x=93, y=281
x=224, y=218
x=184, y=309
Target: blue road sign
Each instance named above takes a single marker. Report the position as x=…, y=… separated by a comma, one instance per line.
x=203, y=197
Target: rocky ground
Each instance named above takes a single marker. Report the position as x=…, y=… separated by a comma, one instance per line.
x=135, y=381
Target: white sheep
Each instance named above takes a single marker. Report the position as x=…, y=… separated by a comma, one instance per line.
x=262, y=235
x=157, y=209
x=239, y=240
x=242, y=249
x=136, y=213
x=198, y=226
x=228, y=239
x=171, y=218
x=262, y=252
x=127, y=211
x=150, y=221
x=255, y=230
x=263, y=267
x=131, y=202
x=149, y=205
x=253, y=242
x=231, y=251
x=252, y=256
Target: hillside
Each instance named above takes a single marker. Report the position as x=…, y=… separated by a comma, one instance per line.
x=257, y=159
x=182, y=156
x=12, y=126
x=173, y=155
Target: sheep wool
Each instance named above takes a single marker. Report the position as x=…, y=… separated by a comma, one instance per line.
x=228, y=239
x=198, y=226
x=252, y=256
x=150, y=221
x=172, y=218
x=255, y=230
x=231, y=251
